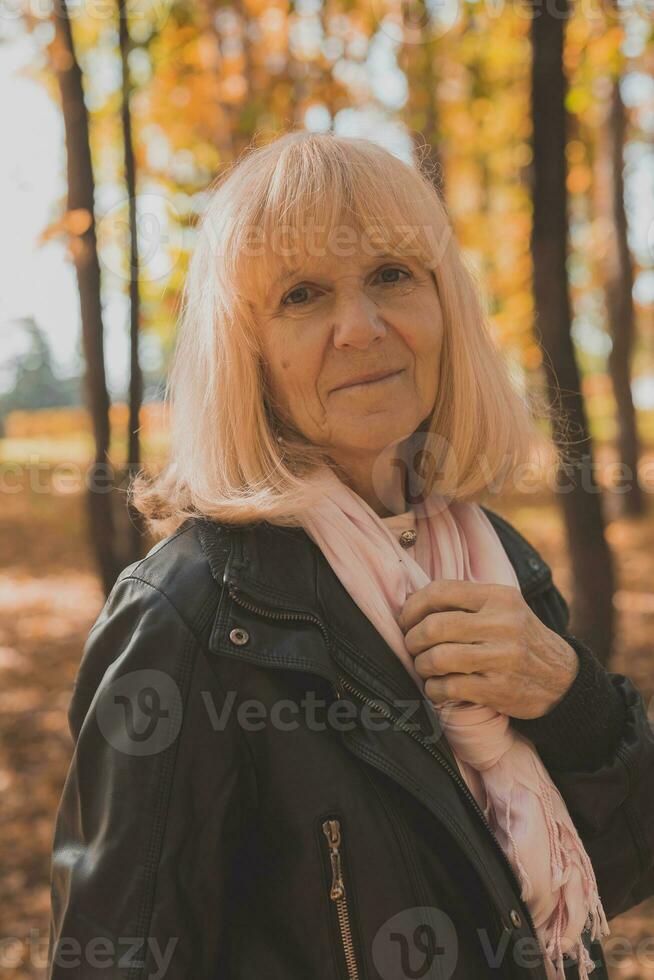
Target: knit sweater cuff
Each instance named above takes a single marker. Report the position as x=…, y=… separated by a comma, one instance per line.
x=582, y=731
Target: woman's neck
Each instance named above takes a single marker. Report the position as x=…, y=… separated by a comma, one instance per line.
x=381, y=486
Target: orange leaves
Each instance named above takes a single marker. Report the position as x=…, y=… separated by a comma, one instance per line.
x=75, y=222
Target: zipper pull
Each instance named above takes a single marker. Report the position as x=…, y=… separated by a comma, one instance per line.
x=332, y=831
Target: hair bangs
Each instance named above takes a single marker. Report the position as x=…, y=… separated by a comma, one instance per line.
x=318, y=204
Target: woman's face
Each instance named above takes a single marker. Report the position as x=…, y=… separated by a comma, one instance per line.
x=339, y=319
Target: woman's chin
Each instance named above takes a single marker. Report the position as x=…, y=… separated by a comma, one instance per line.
x=372, y=437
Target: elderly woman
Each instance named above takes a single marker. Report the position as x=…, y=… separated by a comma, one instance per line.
x=333, y=725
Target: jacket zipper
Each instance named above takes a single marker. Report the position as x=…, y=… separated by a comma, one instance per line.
x=275, y=614
x=332, y=831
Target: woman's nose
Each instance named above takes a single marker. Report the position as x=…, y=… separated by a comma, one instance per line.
x=357, y=322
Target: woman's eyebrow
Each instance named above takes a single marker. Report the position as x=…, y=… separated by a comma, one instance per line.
x=284, y=277
x=290, y=273
x=278, y=282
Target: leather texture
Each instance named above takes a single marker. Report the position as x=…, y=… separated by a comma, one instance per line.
x=230, y=699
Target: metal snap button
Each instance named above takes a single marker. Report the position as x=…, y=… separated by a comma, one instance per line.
x=534, y=563
x=515, y=917
x=239, y=636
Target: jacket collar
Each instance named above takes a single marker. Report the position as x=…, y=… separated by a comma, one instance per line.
x=283, y=565
x=282, y=570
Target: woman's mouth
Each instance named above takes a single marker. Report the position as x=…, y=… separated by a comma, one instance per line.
x=369, y=384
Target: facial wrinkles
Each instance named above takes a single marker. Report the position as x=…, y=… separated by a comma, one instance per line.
x=322, y=281
x=299, y=387
x=310, y=405
x=293, y=387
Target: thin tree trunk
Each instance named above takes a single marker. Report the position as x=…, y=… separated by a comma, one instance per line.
x=136, y=527
x=80, y=202
x=592, y=608
x=422, y=81
x=619, y=279
x=431, y=156
x=428, y=151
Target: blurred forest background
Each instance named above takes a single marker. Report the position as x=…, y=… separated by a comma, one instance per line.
x=536, y=123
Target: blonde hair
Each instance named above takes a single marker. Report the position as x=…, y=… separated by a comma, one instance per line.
x=231, y=458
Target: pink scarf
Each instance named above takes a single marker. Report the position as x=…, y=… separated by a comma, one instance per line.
x=500, y=766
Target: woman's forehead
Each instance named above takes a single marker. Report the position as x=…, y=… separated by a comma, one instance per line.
x=277, y=266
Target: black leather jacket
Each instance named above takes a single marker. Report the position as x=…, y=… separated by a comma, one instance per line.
x=258, y=792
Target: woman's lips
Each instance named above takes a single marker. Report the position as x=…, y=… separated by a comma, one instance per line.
x=369, y=384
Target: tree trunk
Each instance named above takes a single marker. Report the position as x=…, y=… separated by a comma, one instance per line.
x=592, y=607
x=421, y=110
x=429, y=153
x=618, y=279
x=80, y=205
x=136, y=524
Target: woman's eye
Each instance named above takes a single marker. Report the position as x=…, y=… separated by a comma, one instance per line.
x=392, y=268
x=288, y=301
x=293, y=292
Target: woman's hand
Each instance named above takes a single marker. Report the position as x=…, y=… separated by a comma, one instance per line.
x=481, y=642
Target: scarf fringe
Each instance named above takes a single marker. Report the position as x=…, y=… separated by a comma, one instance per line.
x=564, y=855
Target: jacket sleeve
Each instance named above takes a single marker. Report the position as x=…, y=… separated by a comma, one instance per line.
x=598, y=746
x=152, y=818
